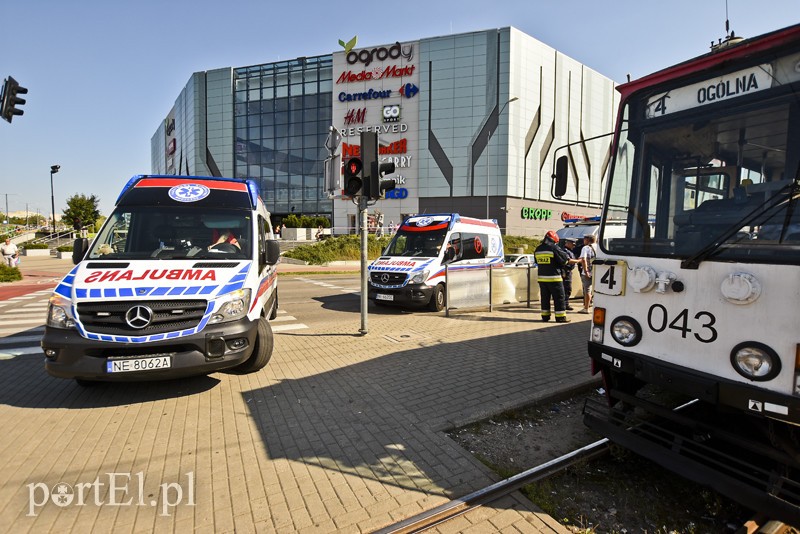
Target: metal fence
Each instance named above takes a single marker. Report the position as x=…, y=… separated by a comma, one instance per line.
x=470, y=288
x=486, y=286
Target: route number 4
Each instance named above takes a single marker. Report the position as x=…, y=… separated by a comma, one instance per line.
x=610, y=279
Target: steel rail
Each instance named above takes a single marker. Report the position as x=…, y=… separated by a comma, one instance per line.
x=445, y=512
x=456, y=507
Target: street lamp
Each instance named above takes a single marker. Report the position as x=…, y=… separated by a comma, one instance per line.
x=488, y=137
x=53, y=169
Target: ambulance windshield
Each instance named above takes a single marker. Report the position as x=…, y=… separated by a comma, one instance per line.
x=167, y=233
x=416, y=243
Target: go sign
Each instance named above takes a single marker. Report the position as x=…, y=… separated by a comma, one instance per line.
x=391, y=113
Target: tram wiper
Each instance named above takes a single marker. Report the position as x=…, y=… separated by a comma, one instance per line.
x=774, y=202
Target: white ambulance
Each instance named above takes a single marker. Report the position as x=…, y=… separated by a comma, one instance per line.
x=180, y=280
x=411, y=271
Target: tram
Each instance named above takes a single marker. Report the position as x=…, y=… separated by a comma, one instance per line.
x=701, y=297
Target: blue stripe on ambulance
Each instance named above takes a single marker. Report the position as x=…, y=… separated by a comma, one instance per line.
x=235, y=283
x=65, y=286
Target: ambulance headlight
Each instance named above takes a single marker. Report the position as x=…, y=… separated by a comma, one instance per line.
x=626, y=331
x=231, y=307
x=418, y=278
x=755, y=361
x=59, y=313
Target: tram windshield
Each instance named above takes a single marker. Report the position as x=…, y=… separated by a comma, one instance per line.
x=711, y=180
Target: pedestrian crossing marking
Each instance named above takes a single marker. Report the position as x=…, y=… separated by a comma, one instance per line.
x=19, y=339
x=287, y=327
x=21, y=351
x=282, y=318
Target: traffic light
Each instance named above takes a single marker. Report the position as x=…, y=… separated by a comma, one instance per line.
x=353, y=179
x=10, y=99
x=375, y=186
x=378, y=184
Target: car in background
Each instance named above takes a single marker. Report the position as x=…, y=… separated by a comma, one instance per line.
x=514, y=260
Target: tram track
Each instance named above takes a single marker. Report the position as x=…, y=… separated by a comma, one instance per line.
x=444, y=513
x=448, y=511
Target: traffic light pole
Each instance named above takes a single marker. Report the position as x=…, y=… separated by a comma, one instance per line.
x=362, y=208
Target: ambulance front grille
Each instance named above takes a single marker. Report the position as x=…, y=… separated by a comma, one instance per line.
x=115, y=318
x=385, y=278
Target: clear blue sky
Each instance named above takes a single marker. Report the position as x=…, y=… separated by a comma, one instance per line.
x=102, y=75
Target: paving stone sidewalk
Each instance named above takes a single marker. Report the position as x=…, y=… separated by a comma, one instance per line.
x=339, y=433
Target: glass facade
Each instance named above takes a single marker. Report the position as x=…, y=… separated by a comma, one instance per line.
x=282, y=113
x=473, y=123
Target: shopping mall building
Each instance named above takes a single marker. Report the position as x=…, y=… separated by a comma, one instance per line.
x=473, y=123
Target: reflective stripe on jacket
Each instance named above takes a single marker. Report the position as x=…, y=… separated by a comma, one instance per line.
x=550, y=260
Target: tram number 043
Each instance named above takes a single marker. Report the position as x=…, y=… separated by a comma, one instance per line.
x=701, y=325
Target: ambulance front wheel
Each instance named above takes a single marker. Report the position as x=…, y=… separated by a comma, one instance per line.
x=273, y=314
x=262, y=350
x=437, y=299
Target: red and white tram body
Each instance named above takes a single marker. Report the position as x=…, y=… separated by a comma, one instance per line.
x=703, y=292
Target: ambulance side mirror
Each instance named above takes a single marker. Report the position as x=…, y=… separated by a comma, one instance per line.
x=273, y=252
x=79, y=248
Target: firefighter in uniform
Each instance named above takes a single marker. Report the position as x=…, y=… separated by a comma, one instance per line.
x=551, y=260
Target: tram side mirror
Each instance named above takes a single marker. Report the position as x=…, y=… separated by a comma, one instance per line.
x=560, y=177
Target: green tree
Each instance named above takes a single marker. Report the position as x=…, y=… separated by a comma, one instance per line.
x=81, y=211
x=99, y=222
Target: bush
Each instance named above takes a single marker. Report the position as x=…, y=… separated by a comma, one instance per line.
x=291, y=221
x=9, y=274
x=321, y=221
x=304, y=221
x=32, y=246
x=341, y=248
x=65, y=248
x=348, y=248
x=511, y=242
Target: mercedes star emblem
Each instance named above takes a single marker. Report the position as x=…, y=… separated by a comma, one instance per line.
x=139, y=316
x=385, y=278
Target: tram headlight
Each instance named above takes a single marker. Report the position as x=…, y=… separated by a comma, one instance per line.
x=755, y=361
x=626, y=331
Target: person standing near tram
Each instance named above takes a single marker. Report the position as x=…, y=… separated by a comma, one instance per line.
x=551, y=260
x=588, y=253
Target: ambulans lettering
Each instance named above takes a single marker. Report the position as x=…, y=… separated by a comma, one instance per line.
x=395, y=263
x=151, y=274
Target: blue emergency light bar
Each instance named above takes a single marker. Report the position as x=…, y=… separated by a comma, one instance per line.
x=582, y=219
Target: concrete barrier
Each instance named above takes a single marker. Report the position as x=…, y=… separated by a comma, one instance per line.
x=36, y=252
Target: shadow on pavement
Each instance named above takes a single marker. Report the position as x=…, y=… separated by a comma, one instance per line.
x=24, y=383
x=380, y=419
